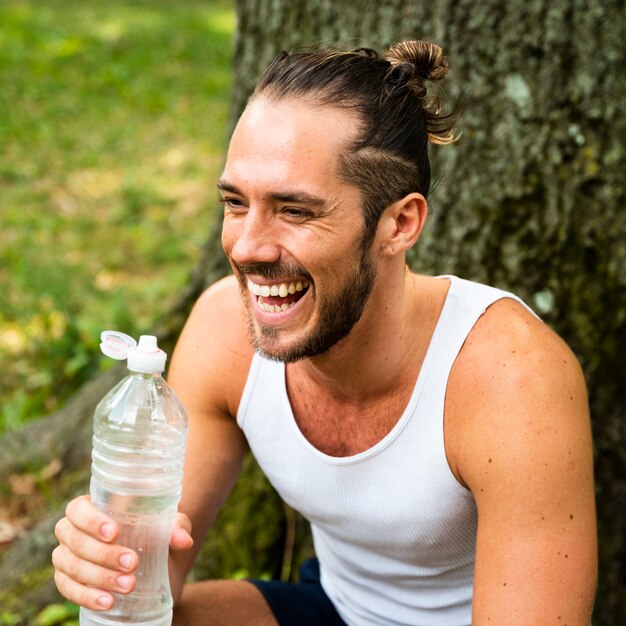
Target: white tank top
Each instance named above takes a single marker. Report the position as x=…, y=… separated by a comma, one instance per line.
x=394, y=531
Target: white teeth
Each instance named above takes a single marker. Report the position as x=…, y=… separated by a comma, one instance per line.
x=281, y=289
x=255, y=289
x=273, y=308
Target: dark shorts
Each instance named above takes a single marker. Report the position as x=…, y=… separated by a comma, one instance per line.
x=300, y=604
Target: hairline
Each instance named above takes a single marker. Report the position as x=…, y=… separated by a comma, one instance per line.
x=372, y=204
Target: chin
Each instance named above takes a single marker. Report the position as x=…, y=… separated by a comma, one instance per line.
x=307, y=348
x=276, y=351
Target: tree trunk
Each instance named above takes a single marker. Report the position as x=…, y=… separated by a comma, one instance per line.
x=531, y=199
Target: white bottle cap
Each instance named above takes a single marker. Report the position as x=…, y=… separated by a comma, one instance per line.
x=145, y=357
x=116, y=345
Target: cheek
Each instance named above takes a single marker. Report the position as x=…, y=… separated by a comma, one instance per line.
x=229, y=236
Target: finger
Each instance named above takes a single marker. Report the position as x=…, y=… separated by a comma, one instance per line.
x=183, y=522
x=84, y=515
x=85, y=547
x=80, y=594
x=86, y=573
x=181, y=538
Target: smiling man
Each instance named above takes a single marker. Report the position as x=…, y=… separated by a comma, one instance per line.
x=287, y=217
x=433, y=430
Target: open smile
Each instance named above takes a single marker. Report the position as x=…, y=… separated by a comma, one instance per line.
x=278, y=297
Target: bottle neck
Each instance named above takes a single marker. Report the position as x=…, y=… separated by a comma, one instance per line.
x=145, y=376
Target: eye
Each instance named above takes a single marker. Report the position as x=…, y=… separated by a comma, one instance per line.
x=232, y=205
x=297, y=213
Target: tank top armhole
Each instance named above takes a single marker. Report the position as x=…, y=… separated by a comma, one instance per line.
x=248, y=390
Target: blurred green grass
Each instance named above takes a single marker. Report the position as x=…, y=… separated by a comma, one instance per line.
x=113, y=117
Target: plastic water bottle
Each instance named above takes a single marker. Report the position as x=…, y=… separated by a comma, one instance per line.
x=137, y=464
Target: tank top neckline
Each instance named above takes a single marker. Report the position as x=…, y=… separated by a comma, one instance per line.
x=397, y=428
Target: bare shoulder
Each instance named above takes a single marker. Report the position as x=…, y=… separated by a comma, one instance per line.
x=518, y=436
x=213, y=354
x=514, y=380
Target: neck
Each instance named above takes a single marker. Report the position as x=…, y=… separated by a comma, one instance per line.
x=386, y=347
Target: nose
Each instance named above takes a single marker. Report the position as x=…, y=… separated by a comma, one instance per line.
x=251, y=238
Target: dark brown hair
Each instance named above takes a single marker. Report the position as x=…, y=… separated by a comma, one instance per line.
x=397, y=115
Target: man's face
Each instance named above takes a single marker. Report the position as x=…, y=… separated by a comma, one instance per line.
x=292, y=230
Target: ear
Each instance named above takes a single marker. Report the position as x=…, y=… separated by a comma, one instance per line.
x=402, y=223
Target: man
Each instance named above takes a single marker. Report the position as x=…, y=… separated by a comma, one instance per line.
x=433, y=430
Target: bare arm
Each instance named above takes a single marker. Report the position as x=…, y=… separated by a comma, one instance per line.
x=208, y=371
x=521, y=441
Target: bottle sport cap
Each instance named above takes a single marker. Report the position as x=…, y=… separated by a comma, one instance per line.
x=144, y=357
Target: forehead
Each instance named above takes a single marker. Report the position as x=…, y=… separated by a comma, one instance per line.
x=288, y=141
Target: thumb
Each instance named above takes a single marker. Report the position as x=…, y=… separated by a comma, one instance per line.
x=181, y=538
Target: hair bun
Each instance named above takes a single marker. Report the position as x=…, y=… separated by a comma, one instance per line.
x=400, y=74
x=426, y=57
x=413, y=63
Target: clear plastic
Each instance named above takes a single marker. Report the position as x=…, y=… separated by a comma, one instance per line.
x=137, y=464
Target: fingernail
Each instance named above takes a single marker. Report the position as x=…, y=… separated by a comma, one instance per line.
x=125, y=560
x=106, y=530
x=123, y=581
x=104, y=601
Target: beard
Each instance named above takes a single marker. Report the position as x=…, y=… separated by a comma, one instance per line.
x=337, y=312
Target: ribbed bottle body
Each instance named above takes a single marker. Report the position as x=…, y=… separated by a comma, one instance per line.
x=137, y=464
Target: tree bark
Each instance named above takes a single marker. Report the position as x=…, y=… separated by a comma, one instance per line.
x=531, y=199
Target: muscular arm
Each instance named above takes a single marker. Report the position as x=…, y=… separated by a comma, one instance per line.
x=519, y=436
x=208, y=372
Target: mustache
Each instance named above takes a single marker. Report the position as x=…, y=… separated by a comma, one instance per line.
x=273, y=271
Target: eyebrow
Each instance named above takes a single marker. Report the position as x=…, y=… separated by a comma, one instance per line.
x=299, y=197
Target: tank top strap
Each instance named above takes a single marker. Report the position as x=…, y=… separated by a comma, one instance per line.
x=266, y=381
x=465, y=304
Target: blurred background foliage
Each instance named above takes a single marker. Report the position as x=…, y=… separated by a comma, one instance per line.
x=106, y=177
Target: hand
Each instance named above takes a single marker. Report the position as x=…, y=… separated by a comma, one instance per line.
x=88, y=564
